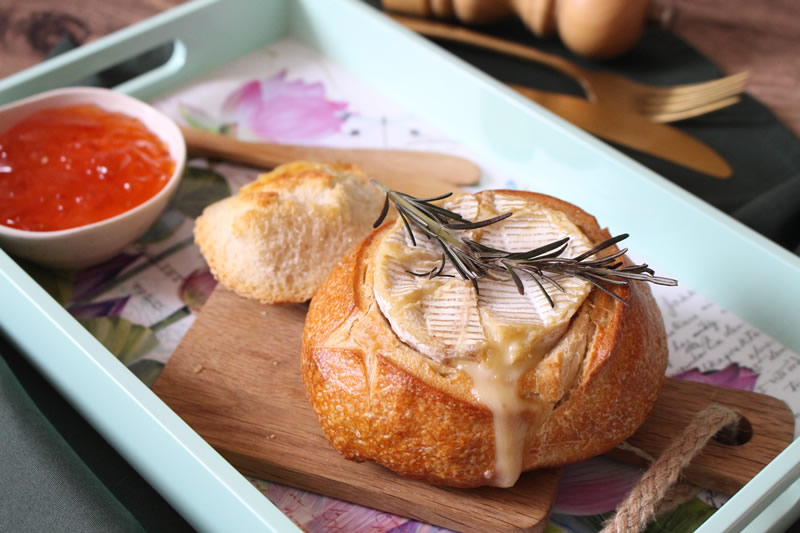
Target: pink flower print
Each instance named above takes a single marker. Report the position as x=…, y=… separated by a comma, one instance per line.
x=199, y=119
x=732, y=376
x=320, y=514
x=196, y=288
x=283, y=111
x=594, y=486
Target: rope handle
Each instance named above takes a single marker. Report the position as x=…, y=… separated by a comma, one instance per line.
x=656, y=492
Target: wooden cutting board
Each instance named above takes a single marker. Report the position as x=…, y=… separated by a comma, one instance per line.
x=235, y=379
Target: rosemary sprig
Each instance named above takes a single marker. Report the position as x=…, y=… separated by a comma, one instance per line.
x=438, y=223
x=473, y=261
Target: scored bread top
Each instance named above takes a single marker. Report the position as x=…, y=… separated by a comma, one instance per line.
x=379, y=398
x=278, y=238
x=444, y=317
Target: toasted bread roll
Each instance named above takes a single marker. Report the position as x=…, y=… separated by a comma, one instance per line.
x=461, y=389
x=279, y=237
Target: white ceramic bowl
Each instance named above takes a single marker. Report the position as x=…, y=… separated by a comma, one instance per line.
x=93, y=243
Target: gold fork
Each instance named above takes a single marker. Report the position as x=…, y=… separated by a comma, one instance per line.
x=660, y=104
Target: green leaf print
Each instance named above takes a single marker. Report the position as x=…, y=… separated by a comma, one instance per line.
x=164, y=227
x=201, y=120
x=126, y=340
x=199, y=188
x=687, y=517
x=57, y=283
x=684, y=519
x=147, y=370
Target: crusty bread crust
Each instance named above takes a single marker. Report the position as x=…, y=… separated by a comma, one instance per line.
x=378, y=399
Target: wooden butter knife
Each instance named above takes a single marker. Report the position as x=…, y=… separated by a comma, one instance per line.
x=394, y=166
x=634, y=131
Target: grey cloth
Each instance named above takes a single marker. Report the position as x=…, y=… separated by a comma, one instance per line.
x=44, y=485
x=61, y=471
x=776, y=213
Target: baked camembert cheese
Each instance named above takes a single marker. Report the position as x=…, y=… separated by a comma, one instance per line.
x=454, y=386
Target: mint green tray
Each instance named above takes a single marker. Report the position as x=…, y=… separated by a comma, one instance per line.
x=683, y=236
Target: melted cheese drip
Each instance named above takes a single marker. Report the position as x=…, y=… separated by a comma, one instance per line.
x=495, y=336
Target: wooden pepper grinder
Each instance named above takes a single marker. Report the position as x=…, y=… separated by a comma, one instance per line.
x=599, y=29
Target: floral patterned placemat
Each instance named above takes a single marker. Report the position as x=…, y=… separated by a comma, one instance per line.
x=141, y=303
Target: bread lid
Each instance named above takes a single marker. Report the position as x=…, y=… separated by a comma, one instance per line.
x=445, y=319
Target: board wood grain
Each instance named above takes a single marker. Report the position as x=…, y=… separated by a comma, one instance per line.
x=721, y=467
x=235, y=378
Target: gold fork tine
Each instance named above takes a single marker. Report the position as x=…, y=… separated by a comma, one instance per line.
x=694, y=112
x=686, y=106
x=609, y=89
x=731, y=82
x=694, y=107
x=667, y=103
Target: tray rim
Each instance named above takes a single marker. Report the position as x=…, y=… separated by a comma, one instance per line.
x=222, y=479
x=636, y=186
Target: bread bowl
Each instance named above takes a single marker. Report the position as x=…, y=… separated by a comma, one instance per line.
x=573, y=390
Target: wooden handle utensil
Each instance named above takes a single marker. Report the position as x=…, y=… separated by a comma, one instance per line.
x=395, y=166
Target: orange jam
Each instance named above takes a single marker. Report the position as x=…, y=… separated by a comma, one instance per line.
x=70, y=166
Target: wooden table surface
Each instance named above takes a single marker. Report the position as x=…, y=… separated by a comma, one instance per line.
x=763, y=37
